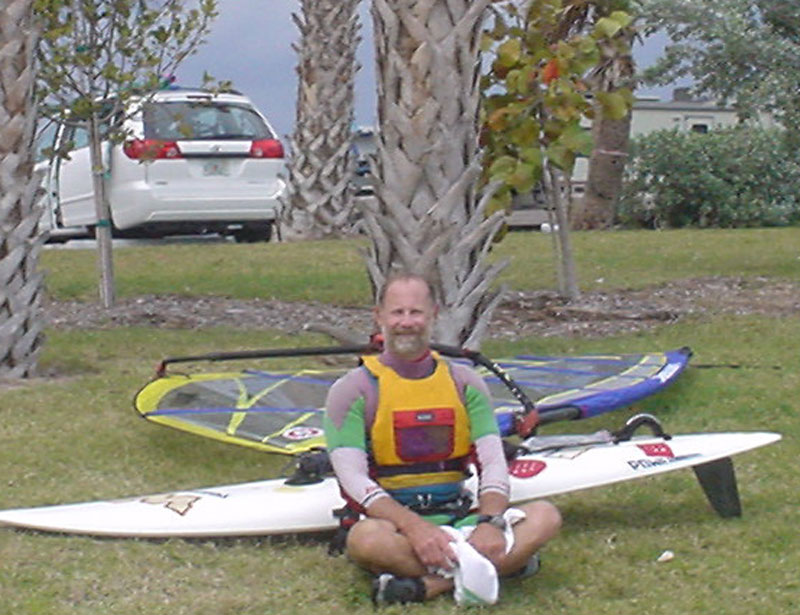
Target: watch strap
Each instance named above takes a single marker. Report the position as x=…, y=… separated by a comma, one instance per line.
x=498, y=521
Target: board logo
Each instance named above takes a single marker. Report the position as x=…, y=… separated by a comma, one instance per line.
x=303, y=433
x=658, y=449
x=180, y=503
x=525, y=468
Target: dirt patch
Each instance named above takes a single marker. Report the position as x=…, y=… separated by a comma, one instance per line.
x=541, y=313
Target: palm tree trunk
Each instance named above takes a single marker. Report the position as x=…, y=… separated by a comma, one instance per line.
x=606, y=168
x=428, y=217
x=319, y=200
x=21, y=283
x=611, y=138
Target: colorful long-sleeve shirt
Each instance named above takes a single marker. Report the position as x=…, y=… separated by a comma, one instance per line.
x=350, y=413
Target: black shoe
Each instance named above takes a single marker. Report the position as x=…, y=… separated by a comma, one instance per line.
x=389, y=589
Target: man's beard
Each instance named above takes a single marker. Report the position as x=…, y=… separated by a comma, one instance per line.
x=407, y=344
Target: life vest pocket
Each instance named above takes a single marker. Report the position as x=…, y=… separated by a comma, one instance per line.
x=424, y=435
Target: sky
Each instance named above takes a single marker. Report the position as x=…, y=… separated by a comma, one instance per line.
x=250, y=44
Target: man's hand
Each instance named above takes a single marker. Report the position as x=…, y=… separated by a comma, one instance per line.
x=489, y=541
x=431, y=544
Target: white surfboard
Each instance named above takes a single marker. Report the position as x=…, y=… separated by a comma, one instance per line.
x=274, y=507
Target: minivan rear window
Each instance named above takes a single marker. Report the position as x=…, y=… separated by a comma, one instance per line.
x=184, y=121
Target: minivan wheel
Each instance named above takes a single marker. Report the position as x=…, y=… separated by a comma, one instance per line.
x=254, y=233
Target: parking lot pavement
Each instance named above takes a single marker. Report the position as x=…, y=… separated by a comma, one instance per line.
x=91, y=244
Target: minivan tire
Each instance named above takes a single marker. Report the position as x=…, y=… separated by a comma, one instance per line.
x=254, y=233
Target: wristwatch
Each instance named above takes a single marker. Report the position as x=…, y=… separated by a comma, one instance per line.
x=498, y=521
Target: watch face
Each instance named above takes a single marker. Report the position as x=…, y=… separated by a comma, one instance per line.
x=498, y=521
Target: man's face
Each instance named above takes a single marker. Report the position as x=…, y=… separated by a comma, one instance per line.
x=406, y=318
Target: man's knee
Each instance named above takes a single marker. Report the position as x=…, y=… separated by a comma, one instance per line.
x=550, y=514
x=368, y=537
x=544, y=516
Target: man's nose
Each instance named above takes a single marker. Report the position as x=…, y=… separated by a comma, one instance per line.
x=406, y=319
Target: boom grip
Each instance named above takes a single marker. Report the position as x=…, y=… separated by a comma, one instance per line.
x=635, y=422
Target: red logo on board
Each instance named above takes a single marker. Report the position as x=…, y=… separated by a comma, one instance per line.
x=525, y=468
x=656, y=450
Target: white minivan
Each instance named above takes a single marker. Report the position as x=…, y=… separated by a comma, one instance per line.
x=194, y=162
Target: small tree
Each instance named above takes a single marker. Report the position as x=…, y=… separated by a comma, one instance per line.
x=536, y=98
x=94, y=56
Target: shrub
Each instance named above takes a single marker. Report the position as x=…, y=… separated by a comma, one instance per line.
x=730, y=177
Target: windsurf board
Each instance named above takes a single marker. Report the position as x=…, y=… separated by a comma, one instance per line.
x=275, y=507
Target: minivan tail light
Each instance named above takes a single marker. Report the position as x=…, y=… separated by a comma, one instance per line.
x=151, y=149
x=266, y=148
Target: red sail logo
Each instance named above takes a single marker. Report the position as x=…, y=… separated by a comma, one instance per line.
x=658, y=449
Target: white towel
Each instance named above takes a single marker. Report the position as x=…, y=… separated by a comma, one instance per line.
x=475, y=577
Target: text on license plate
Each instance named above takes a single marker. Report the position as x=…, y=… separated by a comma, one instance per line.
x=215, y=167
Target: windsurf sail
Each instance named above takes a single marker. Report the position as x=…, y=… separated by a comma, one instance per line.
x=281, y=411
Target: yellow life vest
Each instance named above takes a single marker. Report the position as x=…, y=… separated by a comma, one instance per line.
x=421, y=432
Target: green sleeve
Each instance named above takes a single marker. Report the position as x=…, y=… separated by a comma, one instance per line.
x=351, y=433
x=482, y=421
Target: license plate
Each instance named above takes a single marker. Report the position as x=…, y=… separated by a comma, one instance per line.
x=215, y=167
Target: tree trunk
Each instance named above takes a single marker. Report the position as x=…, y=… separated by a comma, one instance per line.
x=21, y=283
x=606, y=168
x=611, y=137
x=427, y=216
x=558, y=192
x=102, y=232
x=320, y=198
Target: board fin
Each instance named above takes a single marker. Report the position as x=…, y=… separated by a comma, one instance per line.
x=718, y=480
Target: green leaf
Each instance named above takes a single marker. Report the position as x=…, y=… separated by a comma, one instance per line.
x=525, y=132
x=502, y=168
x=615, y=105
x=497, y=119
x=606, y=27
x=622, y=18
x=577, y=139
x=500, y=29
x=532, y=155
x=524, y=177
x=561, y=157
x=509, y=53
x=517, y=81
x=501, y=200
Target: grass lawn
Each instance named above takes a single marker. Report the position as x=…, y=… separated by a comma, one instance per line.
x=76, y=438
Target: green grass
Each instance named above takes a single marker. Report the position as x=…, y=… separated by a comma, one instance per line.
x=328, y=271
x=333, y=271
x=76, y=438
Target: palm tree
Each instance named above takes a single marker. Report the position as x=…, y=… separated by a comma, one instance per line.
x=21, y=284
x=428, y=216
x=319, y=200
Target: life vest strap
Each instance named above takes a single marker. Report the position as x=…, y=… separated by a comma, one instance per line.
x=428, y=467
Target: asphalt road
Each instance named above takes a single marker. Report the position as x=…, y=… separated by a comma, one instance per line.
x=91, y=244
